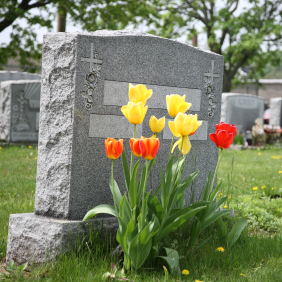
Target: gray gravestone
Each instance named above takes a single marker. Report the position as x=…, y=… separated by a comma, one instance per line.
x=16, y=75
x=19, y=110
x=241, y=110
x=275, y=111
x=85, y=79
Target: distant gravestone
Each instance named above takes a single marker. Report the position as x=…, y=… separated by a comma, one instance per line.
x=16, y=75
x=241, y=110
x=85, y=79
x=19, y=110
x=275, y=111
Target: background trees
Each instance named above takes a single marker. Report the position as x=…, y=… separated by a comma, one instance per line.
x=90, y=14
x=246, y=33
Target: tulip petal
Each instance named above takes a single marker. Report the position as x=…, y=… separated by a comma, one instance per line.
x=172, y=128
x=183, y=107
x=186, y=147
x=134, y=94
x=176, y=143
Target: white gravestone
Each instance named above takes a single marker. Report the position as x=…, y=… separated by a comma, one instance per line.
x=275, y=111
x=19, y=110
x=241, y=110
x=85, y=79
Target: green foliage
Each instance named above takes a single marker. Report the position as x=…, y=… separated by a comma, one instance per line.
x=14, y=271
x=238, y=139
x=262, y=213
x=90, y=14
x=246, y=37
x=144, y=221
x=235, y=232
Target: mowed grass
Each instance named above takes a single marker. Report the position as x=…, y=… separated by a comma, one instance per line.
x=17, y=185
x=255, y=256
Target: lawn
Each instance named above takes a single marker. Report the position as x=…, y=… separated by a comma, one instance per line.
x=256, y=256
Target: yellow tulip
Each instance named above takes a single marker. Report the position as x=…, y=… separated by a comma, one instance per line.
x=183, y=126
x=139, y=93
x=157, y=125
x=135, y=113
x=176, y=104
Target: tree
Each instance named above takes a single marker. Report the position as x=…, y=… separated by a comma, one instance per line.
x=245, y=36
x=91, y=14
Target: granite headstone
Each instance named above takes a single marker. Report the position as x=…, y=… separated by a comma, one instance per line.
x=241, y=110
x=85, y=79
x=19, y=110
x=275, y=111
x=16, y=75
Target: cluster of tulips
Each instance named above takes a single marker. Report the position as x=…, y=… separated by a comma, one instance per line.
x=182, y=127
x=144, y=217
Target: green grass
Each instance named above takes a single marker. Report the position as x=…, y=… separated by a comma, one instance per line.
x=17, y=185
x=258, y=255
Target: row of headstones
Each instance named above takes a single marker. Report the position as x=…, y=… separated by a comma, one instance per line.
x=19, y=106
x=85, y=80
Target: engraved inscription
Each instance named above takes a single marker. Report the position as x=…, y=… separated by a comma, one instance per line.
x=92, y=78
x=210, y=89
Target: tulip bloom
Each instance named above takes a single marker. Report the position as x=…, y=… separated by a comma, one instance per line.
x=149, y=147
x=224, y=135
x=113, y=148
x=135, y=146
x=156, y=125
x=176, y=104
x=139, y=93
x=135, y=113
x=183, y=126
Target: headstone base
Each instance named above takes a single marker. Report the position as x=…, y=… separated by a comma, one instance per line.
x=35, y=238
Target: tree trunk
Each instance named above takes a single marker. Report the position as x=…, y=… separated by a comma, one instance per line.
x=227, y=82
x=62, y=15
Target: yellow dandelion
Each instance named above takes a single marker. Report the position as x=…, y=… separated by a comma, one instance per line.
x=276, y=157
x=198, y=281
x=0, y=148
x=220, y=194
x=255, y=188
x=280, y=171
x=272, y=188
x=259, y=154
x=220, y=249
x=262, y=187
x=225, y=206
x=185, y=272
x=229, y=197
x=242, y=274
x=29, y=147
x=35, y=158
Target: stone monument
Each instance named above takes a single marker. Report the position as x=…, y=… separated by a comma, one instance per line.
x=16, y=75
x=19, y=110
x=275, y=111
x=85, y=79
x=241, y=110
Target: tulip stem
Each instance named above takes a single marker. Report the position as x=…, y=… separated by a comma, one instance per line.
x=216, y=169
x=172, y=140
x=113, y=186
x=131, y=165
x=143, y=197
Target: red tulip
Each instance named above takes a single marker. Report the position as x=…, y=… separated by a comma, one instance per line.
x=135, y=146
x=149, y=147
x=113, y=148
x=224, y=135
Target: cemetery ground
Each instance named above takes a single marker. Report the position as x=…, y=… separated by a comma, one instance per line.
x=255, y=189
